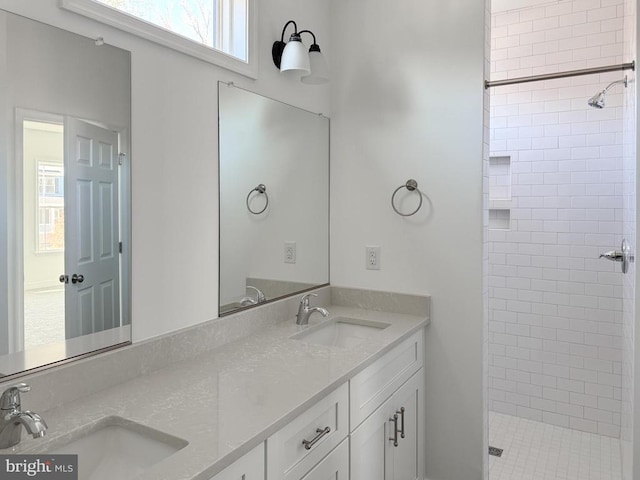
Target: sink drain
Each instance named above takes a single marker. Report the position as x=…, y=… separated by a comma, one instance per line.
x=496, y=452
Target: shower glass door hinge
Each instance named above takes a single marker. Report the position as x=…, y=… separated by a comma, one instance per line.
x=121, y=158
x=120, y=247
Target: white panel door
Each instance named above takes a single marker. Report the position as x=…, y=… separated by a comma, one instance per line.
x=92, y=258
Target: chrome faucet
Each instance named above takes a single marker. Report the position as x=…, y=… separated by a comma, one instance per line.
x=260, y=297
x=305, y=311
x=13, y=419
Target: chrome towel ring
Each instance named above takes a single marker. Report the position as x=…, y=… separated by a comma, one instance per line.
x=412, y=186
x=261, y=189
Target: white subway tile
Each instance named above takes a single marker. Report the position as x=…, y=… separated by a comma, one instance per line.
x=609, y=404
x=529, y=389
x=546, y=381
x=502, y=407
x=583, y=400
x=605, y=391
x=583, y=425
x=529, y=413
x=555, y=419
x=517, y=399
x=609, y=379
x=543, y=404
x=598, y=415
x=598, y=365
x=555, y=394
x=608, y=430
x=569, y=409
x=546, y=23
x=518, y=28
x=571, y=385
x=582, y=375
x=528, y=342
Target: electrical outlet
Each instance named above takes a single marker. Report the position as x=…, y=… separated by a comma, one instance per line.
x=289, y=252
x=372, y=257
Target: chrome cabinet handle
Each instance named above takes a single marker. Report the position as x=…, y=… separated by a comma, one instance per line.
x=64, y=278
x=75, y=278
x=401, y=412
x=394, y=419
x=320, y=433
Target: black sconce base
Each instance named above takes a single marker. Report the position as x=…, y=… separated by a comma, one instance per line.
x=276, y=52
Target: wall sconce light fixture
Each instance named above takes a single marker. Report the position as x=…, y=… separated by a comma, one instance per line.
x=292, y=57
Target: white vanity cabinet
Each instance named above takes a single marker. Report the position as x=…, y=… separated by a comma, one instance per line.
x=248, y=467
x=370, y=428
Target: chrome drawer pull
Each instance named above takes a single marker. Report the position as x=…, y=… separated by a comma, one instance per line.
x=320, y=433
x=394, y=419
x=401, y=412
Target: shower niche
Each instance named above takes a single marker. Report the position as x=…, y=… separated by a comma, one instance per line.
x=500, y=193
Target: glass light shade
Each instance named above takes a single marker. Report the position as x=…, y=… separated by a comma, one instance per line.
x=319, y=70
x=295, y=58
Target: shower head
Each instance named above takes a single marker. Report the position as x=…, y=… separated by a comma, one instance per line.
x=597, y=101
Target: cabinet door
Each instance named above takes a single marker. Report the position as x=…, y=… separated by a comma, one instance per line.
x=248, y=467
x=407, y=456
x=371, y=448
x=374, y=455
x=334, y=466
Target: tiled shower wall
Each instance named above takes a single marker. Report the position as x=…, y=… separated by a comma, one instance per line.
x=555, y=319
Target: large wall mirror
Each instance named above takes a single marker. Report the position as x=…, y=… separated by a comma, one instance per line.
x=274, y=199
x=64, y=195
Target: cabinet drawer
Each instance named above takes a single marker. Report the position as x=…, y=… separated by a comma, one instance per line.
x=371, y=387
x=248, y=467
x=287, y=456
x=334, y=466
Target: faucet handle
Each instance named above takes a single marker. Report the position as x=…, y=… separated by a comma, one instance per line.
x=11, y=396
x=305, y=299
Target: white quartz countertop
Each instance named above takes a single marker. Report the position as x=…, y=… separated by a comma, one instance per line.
x=227, y=401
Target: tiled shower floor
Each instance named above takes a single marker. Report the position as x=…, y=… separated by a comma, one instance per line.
x=538, y=451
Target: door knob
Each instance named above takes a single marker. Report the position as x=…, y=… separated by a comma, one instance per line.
x=64, y=278
x=75, y=278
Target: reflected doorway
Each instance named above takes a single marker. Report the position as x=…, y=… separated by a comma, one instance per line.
x=43, y=232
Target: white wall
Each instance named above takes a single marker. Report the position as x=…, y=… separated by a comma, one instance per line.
x=407, y=102
x=174, y=157
x=556, y=309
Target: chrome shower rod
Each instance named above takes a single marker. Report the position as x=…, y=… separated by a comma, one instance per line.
x=552, y=76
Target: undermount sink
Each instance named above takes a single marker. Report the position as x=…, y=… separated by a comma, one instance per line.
x=118, y=448
x=341, y=332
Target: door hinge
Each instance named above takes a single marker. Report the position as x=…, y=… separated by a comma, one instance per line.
x=121, y=157
x=120, y=247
